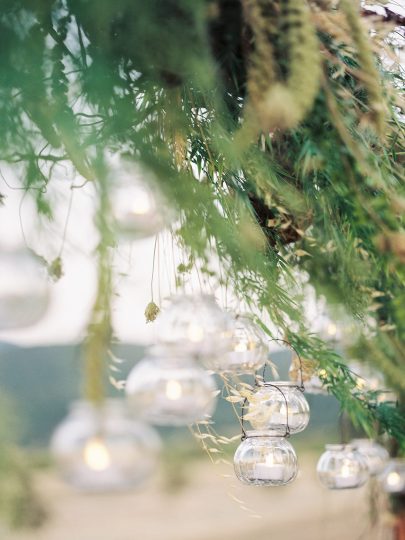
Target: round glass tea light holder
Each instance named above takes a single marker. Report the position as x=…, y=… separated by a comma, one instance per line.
x=375, y=455
x=279, y=408
x=248, y=350
x=101, y=448
x=165, y=389
x=263, y=460
x=341, y=466
x=392, y=479
x=24, y=289
x=195, y=325
x=138, y=206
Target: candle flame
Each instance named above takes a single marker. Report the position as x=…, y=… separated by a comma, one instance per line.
x=331, y=329
x=393, y=479
x=195, y=333
x=174, y=390
x=141, y=203
x=96, y=455
x=346, y=470
x=241, y=346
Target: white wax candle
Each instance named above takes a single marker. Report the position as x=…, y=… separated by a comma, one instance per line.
x=346, y=481
x=266, y=471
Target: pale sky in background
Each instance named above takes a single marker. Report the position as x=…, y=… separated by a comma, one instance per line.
x=71, y=297
x=73, y=294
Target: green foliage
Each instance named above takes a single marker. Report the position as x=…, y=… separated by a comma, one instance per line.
x=169, y=84
x=19, y=503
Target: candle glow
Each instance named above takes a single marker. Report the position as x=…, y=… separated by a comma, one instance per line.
x=393, y=479
x=141, y=204
x=174, y=390
x=195, y=333
x=96, y=455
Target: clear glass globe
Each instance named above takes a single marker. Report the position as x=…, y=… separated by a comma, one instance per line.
x=138, y=208
x=278, y=408
x=195, y=325
x=168, y=390
x=24, y=290
x=342, y=467
x=392, y=478
x=103, y=448
x=248, y=349
x=261, y=460
x=375, y=455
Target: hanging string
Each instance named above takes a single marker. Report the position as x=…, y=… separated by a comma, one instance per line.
x=159, y=274
x=166, y=263
x=153, y=267
x=68, y=213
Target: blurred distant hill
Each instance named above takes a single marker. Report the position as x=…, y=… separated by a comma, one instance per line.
x=42, y=381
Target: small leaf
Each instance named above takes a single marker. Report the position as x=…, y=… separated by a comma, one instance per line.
x=119, y=385
x=302, y=253
x=234, y=399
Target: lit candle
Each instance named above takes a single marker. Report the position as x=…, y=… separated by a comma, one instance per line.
x=141, y=203
x=96, y=455
x=346, y=477
x=331, y=329
x=269, y=470
x=174, y=390
x=241, y=346
x=394, y=482
x=195, y=333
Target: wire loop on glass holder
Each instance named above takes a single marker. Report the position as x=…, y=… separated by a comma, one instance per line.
x=268, y=384
x=264, y=383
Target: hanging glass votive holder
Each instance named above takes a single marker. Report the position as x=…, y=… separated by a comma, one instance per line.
x=279, y=408
x=101, y=448
x=248, y=349
x=195, y=325
x=375, y=455
x=392, y=479
x=263, y=460
x=24, y=289
x=342, y=467
x=138, y=206
x=169, y=389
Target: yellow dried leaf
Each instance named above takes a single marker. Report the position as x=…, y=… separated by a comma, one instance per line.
x=234, y=399
x=302, y=253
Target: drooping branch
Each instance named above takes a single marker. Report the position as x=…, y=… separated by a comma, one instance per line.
x=388, y=16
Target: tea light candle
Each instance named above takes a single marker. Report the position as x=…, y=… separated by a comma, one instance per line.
x=346, y=478
x=269, y=470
